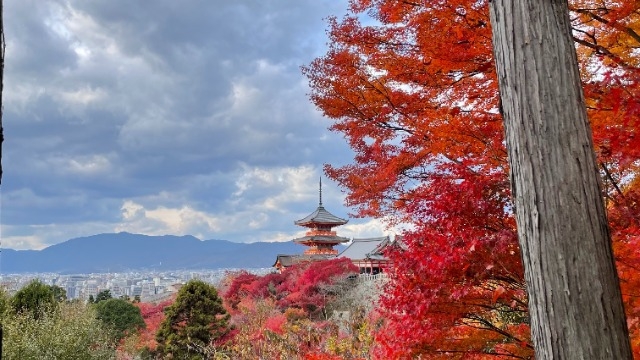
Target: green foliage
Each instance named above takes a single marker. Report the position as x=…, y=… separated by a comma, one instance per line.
x=91, y=299
x=103, y=295
x=121, y=315
x=5, y=302
x=70, y=332
x=193, y=322
x=59, y=294
x=36, y=298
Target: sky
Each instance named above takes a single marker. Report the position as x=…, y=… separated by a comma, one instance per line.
x=166, y=117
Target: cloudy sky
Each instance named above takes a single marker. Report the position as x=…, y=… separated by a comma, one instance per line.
x=165, y=117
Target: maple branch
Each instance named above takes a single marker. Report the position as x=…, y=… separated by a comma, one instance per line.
x=590, y=35
x=501, y=309
x=602, y=50
x=598, y=18
x=388, y=100
x=613, y=182
x=411, y=3
x=379, y=124
x=513, y=282
x=491, y=327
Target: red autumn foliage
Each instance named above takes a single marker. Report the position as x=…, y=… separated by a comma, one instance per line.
x=297, y=287
x=239, y=288
x=414, y=92
x=321, y=356
x=276, y=323
x=153, y=315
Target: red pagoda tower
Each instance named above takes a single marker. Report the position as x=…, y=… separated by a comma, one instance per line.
x=320, y=238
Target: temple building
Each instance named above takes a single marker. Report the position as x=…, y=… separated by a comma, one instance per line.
x=321, y=238
x=369, y=254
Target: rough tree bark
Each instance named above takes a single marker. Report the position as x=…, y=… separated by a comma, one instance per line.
x=574, y=295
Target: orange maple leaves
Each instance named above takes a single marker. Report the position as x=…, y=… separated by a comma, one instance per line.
x=414, y=92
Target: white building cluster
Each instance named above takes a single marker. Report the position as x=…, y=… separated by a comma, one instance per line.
x=147, y=286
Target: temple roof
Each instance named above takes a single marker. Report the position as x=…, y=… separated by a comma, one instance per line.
x=286, y=260
x=321, y=239
x=289, y=260
x=361, y=249
x=321, y=216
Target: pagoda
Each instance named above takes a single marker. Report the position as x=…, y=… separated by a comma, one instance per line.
x=320, y=238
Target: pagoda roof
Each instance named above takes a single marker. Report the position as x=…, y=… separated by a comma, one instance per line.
x=321, y=239
x=321, y=216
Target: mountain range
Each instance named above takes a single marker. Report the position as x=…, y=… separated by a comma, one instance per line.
x=123, y=252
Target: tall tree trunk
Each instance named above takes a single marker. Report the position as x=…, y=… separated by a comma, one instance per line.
x=574, y=294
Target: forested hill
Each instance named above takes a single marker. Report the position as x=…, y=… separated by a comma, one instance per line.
x=125, y=252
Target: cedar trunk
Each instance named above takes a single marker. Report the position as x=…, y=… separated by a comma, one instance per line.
x=574, y=294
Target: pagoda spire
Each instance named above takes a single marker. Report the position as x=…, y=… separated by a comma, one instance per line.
x=320, y=190
x=321, y=238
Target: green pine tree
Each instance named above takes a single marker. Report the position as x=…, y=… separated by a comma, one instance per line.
x=193, y=322
x=36, y=298
x=103, y=295
x=121, y=315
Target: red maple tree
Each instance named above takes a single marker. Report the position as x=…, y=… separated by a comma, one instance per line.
x=299, y=286
x=153, y=315
x=414, y=92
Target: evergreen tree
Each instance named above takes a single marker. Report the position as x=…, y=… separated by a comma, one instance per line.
x=35, y=298
x=121, y=315
x=59, y=294
x=195, y=320
x=103, y=295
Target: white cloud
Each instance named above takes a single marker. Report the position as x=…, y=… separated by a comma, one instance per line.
x=30, y=242
x=358, y=228
x=163, y=220
x=37, y=237
x=283, y=184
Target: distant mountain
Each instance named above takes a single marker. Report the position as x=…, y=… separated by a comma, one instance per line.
x=125, y=252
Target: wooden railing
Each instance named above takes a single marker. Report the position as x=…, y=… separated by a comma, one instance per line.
x=371, y=277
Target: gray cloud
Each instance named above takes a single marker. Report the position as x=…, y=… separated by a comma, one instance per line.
x=163, y=117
